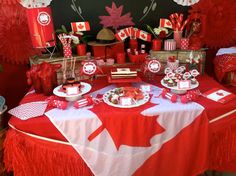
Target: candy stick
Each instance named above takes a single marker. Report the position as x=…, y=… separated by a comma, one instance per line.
x=173, y=21
x=184, y=24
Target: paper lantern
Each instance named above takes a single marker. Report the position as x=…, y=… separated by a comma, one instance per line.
x=41, y=27
x=186, y=2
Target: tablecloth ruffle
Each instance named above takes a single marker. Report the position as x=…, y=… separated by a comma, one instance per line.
x=30, y=156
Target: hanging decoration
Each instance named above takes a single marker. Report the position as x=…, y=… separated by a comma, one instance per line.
x=147, y=9
x=34, y=3
x=220, y=23
x=77, y=9
x=90, y=68
x=151, y=65
x=8, y=2
x=115, y=18
x=15, y=45
x=186, y=2
x=41, y=27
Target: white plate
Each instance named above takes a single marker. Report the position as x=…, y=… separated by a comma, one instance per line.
x=138, y=102
x=176, y=90
x=86, y=88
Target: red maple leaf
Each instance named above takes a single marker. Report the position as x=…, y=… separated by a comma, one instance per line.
x=116, y=19
x=127, y=126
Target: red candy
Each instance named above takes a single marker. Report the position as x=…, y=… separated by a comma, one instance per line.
x=87, y=101
x=171, y=97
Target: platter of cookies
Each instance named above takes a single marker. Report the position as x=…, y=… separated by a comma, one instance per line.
x=125, y=97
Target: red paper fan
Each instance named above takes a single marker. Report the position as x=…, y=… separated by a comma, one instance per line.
x=220, y=22
x=8, y=2
x=15, y=45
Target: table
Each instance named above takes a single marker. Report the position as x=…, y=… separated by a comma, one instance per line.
x=203, y=146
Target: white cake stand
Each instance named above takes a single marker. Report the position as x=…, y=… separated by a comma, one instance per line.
x=176, y=90
x=85, y=89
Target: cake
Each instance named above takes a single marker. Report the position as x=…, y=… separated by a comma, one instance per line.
x=70, y=82
x=123, y=73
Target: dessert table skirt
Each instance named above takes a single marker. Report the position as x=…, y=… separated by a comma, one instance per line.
x=36, y=147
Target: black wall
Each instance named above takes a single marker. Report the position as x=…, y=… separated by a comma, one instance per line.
x=92, y=9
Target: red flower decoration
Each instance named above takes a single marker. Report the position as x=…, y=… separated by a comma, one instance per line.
x=220, y=22
x=15, y=45
x=162, y=35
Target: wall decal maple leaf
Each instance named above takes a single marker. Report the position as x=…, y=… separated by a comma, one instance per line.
x=127, y=126
x=115, y=20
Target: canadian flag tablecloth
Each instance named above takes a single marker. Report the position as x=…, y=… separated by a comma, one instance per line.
x=118, y=142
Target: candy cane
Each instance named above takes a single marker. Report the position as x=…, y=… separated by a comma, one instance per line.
x=184, y=24
x=179, y=20
x=172, y=19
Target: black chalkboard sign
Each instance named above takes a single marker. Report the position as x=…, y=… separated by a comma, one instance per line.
x=142, y=11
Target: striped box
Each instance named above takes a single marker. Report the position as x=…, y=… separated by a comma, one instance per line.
x=170, y=45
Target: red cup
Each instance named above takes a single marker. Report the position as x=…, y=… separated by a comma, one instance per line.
x=177, y=38
x=81, y=49
x=120, y=58
x=156, y=44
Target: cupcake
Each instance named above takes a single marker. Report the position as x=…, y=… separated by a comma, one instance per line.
x=193, y=81
x=176, y=82
x=165, y=80
x=171, y=83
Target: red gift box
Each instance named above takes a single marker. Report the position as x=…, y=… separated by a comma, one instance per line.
x=140, y=58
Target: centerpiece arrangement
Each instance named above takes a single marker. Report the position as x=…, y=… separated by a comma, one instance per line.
x=180, y=80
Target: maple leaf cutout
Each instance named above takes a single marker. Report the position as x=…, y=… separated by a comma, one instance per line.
x=127, y=126
x=116, y=19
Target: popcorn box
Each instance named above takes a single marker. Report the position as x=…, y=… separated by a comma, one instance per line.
x=170, y=45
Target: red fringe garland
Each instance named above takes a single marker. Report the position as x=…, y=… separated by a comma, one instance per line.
x=28, y=156
x=223, y=147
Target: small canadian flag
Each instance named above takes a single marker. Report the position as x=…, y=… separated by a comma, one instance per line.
x=121, y=35
x=143, y=35
x=165, y=23
x=80, y=26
